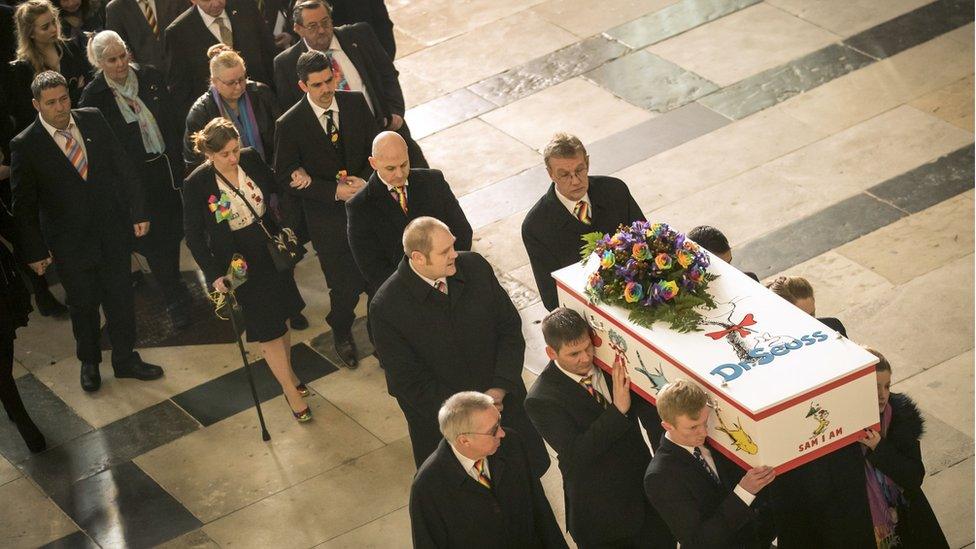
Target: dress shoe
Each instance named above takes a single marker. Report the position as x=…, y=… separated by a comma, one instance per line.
x=91, y=379
x=48, y=305
x=179, y=313
x=138, y=369
x=346, y=349
x=298, y=322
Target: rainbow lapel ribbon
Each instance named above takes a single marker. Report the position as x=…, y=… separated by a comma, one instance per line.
x=220, y=206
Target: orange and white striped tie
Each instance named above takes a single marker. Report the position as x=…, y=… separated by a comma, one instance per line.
x=582, y=211
x=72, y=149
x=479, y=467
x=150, y=16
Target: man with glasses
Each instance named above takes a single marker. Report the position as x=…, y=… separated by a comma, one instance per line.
x=576, y=203
x=477, y=489
x=441, y=324
x=359, y=61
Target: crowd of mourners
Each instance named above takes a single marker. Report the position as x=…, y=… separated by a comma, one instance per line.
x=251, y=128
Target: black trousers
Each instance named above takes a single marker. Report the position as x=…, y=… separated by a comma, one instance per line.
x=107, y=285
x=345, y=282
x=161, y=247
x=9, y=395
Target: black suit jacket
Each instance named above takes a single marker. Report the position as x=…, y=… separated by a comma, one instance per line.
x=376, y=222
x=380, y=77
x=699, y=513
x=434, y=345
x=126, y=18
x=302, y=143
x=602, y=456
x=449, y=509
x=187, y=41
x=59, y=212
x=551, y=234
x=205, y=109
x=210, y=242
x=373, y=12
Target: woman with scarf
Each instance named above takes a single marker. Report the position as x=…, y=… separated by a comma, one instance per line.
x=134, y=101
x=893, y=468
x=250, y=105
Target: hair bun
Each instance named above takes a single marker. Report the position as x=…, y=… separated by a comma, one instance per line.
x=217, y=49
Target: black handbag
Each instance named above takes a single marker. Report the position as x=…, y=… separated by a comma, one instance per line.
x=283, y=247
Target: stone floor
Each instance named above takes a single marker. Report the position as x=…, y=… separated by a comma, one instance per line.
x=827, y=138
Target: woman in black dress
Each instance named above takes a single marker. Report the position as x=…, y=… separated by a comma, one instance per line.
x=14, y=308
x=79, y=17
x=268, y=297
x=900, y=512
x=134, y=101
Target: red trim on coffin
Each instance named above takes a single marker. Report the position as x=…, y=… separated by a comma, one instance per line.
x=755, y=417
x=804, y=459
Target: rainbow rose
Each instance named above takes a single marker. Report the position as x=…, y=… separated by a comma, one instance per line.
x=663, y=261
x=608, y=259
x=595, y=281
x=694, y=274
x=641, y=252
x=685, y=258
x=668, y=289
x=633, y=292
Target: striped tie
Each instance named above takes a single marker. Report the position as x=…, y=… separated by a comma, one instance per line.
x=441, y=286
x=704, y=464
x=343, y=84
x=582, y=212
x=400, y=195
x=587, y=383
x=479, y=467
x=72, y=149
x=150, y=16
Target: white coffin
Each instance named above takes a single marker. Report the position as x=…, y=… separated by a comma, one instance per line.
x=787, y=388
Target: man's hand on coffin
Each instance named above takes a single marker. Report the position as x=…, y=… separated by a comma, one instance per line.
x=757, y=478
x=621, y=387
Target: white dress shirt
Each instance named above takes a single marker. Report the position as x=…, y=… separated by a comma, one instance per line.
x=353, y=78
x=60, y=139
x=320, y=114
x=430, y=281
x=571, y=204
x=211, y=22
x=598, y=381
x=744, y=495
x=468, y=464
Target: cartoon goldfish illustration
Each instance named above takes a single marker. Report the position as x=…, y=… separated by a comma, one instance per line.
x=657, y=379
x=820, y=415
x=740, y=439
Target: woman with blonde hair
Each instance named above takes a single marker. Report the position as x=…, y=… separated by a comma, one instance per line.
x=225, y=212
x=251, y=106
x=41, y=47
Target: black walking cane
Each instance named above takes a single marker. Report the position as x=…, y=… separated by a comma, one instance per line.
x=235, y=311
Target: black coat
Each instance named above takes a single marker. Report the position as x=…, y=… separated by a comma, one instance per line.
x=434, y=345
x=449, y=509
x=899, y=456
x=551, y=233
x=380, y=77
x=15, y=301
x=302, y=143
x=376, y=222
x=602, y=457
x=8, y=36
x=74, y=68
x=57, y=211
x=126, y=18
x=210, y=242
x=699, y=513
x=373, y=12
x=187, y=39
x=205, y=109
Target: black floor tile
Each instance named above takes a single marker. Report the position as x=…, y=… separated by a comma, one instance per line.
x=930, y=184
x=912, y=28
x=124, y=507
x=652, y=83
x=324, y=345
x=548, y=70
x=51, y=415
x=674, y=20
x=230, y=393
x=819, y=233
x=780, y=83
x=154, y=327
x=76, y=540
x=121, y=441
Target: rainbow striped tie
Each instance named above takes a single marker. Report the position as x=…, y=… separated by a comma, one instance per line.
x=341, y=82
x=479, y=467
x=582, y=212
x=587, y=383
x=400, y=195
x=72, y=149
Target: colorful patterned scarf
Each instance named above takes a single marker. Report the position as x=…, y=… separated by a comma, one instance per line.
x=884, y=496
x=244, y=120
x=134, y=110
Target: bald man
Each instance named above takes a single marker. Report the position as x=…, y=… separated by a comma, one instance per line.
x=394, y=196
x=442, y=324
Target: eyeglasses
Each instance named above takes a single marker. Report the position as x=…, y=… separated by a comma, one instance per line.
x=580, y=174
x=317, y=26
x=492, y=433
x=236, y=82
